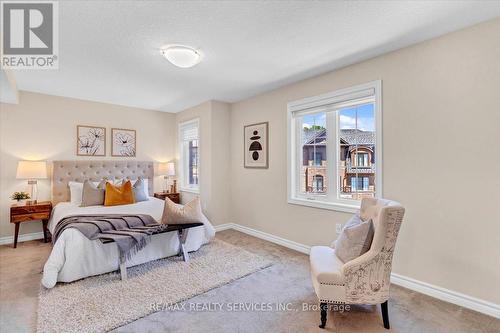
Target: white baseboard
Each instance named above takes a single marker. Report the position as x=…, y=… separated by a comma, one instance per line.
x=21, y=238
x=273, y=239
x=443, y=294
x=224, y=226
x=447, y=295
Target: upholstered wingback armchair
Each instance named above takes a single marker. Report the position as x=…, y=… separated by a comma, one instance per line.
x=365, y=279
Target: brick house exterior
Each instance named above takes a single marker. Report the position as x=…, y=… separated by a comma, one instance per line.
x=357, y=163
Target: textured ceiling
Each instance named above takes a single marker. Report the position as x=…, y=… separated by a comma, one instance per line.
x=109, y=50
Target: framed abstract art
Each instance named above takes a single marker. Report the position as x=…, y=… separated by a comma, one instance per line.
x=123, y=142
x=256, y=142
x=90, y=141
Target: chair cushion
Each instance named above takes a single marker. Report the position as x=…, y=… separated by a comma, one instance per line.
x=326, y=267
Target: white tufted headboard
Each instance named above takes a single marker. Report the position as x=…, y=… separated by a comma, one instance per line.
x=77, y=171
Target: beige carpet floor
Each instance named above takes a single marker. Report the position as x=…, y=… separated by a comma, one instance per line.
x=287, y=280
x=101, y=303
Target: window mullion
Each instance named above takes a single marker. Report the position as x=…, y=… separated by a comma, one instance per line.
x=331, y=153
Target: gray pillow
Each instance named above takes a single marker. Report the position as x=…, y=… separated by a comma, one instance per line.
x=139, y=190
x=355, y=239
x=93, y=195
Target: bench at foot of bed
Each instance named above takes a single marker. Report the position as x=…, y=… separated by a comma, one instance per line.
x=182, y=232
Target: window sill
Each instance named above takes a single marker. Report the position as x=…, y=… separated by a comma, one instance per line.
x=190, y=190
x=340, y=207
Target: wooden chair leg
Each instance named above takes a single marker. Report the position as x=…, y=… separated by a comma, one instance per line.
x=385, y=315
x=323, y=307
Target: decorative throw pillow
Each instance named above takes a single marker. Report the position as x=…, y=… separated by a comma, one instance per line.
x=76, y=192
x=178, y=214
x=93, y=195
x=355, y=219
x=139, y=188
x=142, y=184
x=355, y=239
x=119, y=195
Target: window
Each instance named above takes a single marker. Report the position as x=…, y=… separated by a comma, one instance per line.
x=361, y=159
x=189, y=155
x=334, y=148
x=193, y=162
x=360, y=183
x=318, y=158
x=318, y=183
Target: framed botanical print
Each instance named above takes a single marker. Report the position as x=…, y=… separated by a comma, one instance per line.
x=123, y=142
x=256, y=142
x=90, y=141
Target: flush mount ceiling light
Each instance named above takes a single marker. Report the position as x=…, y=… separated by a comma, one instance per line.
x=181, y=56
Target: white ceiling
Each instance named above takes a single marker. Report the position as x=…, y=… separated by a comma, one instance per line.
x=109, y=50
x=8, y=89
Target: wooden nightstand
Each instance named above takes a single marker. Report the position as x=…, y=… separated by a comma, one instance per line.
x=31, y=212
x=175, y=197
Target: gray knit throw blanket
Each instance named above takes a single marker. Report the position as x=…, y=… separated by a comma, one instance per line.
x=131, y=233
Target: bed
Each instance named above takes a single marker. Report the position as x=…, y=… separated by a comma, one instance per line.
x=74, y=256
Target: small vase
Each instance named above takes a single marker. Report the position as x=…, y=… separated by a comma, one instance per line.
x=21, y=202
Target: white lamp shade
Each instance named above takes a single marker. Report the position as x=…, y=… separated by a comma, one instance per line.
x=166, y=169
x=162, y=169
x=170, y=169
x=31, y=170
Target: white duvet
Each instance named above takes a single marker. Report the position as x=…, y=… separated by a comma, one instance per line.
x=75, y=257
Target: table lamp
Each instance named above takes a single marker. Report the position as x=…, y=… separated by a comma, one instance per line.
x=166, y=170
x=171, y=173
x=32, y=170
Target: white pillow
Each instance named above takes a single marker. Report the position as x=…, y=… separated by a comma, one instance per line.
x=76, y=192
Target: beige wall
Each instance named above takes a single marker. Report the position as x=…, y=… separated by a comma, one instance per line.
x=214, y=158
x=441, y=102
x=43, y=127
x=440, y=118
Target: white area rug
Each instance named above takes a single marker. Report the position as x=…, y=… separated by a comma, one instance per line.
x=104, y=302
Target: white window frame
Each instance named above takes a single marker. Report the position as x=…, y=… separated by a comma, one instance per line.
x=316, y=104
x=183, y=157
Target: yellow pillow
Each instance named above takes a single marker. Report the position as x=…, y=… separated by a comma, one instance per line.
x=119, y=195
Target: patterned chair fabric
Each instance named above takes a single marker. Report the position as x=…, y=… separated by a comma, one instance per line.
x=366, y=279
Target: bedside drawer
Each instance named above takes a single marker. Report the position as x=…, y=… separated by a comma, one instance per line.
x=21, y=210
x=175, y=197
x=29, y=217
x=24, y=210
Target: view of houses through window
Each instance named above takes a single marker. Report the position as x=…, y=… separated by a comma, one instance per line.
x=355, y=145
x=314, y=135
x=189, y=159
x=193, y=162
